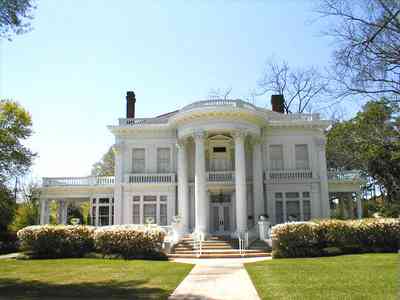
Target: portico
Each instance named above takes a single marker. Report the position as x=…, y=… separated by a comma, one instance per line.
x=220, y=183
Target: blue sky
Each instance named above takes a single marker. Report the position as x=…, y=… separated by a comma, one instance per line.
x=73, y=70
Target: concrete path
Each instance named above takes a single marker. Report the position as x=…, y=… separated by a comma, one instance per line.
x=10, y=255
x=217, y=279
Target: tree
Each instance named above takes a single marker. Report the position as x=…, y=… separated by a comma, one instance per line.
x=15, y=16
x=304, y=89
x=105, y=167
x=27, y=213
x=15, y=127
x=7, y=207
x=366, y=60
x=371, y=142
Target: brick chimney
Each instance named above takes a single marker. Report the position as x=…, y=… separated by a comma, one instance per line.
x=130, y=105
x=277, y=102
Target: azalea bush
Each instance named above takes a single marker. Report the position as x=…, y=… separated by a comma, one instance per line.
x=332, y=237
x=129, y=241
x=49, y=241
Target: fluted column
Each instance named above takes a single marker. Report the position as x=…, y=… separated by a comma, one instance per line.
x=240, y=182
x=118, y=187
x=183, y=187
x=62, y=212
x=258, y=190
x=200, y=196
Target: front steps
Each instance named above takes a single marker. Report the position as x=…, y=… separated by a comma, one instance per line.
x=215, y=247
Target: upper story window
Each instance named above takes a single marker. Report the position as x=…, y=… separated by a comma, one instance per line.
x=276, y=157
x=301, y=152
x=163, y=160
x=138, y=160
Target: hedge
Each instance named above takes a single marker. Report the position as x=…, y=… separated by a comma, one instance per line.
x=60, y=241
x=333, y=237
x=129, y=242
x=8, y=242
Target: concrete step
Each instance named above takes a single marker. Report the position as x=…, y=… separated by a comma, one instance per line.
x=221, y=255
x=216, y=251
x=183, y=247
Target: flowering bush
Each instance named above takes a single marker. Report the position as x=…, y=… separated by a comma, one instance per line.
x=130, y=242
x=56, y=241
x=328, y=237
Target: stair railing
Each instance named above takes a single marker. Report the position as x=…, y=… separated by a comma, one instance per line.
x=241, y=242
x=198, y=238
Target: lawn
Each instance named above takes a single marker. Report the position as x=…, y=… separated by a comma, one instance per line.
x=89, y=279
x=365, y=276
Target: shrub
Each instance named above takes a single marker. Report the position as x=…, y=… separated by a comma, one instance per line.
x=50, y=241
x=332, y=237
x=8, y=242
x=129, y=242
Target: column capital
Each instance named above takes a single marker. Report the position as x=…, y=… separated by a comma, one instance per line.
x=239, y=134
x=182, y=143
x=198, y=135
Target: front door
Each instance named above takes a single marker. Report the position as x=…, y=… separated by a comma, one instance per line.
x=220, y=218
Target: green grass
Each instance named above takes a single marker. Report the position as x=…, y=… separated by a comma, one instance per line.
x=89, y=279
x=366, y=276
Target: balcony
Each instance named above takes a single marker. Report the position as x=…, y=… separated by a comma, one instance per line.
x=221, y=177
x=134, y=178
x=78, y=181
x=345, y=176
x=288, y=175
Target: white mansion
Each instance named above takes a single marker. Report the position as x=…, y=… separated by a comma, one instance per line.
x=217, y=164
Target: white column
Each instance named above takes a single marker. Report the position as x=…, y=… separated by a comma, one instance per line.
x=44, y=212
x=200, y=197
x=240, y=182
x=62, y=212
x=323, y=177
x=118, y=188
x=258, y=190
x=183, y=187
x=359, y=205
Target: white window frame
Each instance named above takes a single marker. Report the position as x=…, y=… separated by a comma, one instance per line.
x=285, y=199
x=160, y=161
x=134, y=168
x=302, y=164
x=274, y=165
x=157, y=202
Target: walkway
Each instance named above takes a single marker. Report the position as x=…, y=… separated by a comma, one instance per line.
x=217, y=279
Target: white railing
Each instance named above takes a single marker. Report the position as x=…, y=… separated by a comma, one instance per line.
x=352, y=175
x=150, y=178
x=241, y=241
x=78, y=181
x=221, y=176
x=281, y=175
x=198, y=238
x=219, y=102
x=251, y=235
x=141, y=121
x=295, y=117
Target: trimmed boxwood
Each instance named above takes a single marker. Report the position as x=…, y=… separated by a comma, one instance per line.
x=332, y=237
x=49, y=241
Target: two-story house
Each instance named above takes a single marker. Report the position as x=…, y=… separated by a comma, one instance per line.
x=217, y=164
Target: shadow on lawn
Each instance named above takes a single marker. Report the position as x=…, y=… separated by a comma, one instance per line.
x=113, y=289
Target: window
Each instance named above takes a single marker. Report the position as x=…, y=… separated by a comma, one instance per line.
x=150, y=213
x=279, y=211
x=163, y=214
x=136, y=213
x=306, y=210
x=163, y=160
x=138, y=160
x=104, y=215
x=292, y=195
x=306, y=194
x=276, y=157
x=219, y=149
x=293, y=210
x=149, y=198
x=301, y=152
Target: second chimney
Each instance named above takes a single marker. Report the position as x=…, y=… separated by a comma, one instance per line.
x=130, y=105
x=277, y=102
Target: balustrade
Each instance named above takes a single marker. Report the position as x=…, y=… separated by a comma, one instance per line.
x=279, y=175
x=221, y=176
